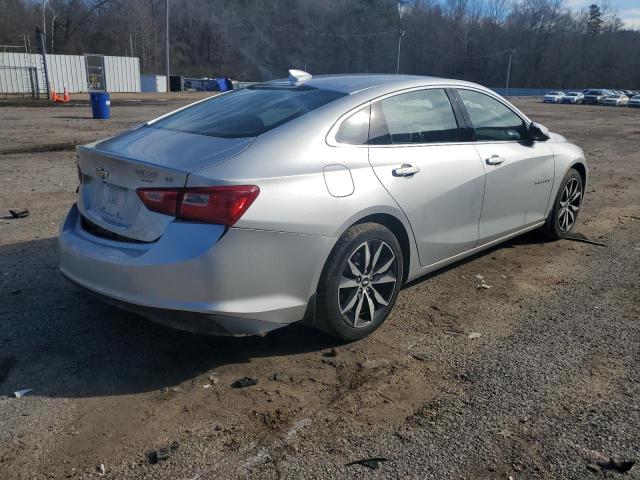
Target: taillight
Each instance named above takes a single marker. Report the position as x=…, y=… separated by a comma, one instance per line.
x=223, y=204
x=161, y=200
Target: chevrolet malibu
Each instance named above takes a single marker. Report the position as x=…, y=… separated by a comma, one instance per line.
x=310, y=198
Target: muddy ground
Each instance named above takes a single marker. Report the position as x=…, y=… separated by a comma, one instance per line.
x=550, y=388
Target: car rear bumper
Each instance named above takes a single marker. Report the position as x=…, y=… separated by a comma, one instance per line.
x=200, y=277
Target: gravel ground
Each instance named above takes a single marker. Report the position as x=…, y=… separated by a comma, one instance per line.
x=561, y=391
x=547, y=388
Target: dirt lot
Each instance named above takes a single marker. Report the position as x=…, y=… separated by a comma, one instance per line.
x=549, y=389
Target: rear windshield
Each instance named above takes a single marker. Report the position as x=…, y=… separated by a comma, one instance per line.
x=594, y=92
x=248, y=112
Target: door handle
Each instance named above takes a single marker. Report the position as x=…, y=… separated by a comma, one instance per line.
x=405, y=170
x=495, y=160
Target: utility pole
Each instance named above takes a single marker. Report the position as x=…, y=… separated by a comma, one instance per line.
x=401, y=10
x=399, y=46
x=167, y=44
x=506, y=92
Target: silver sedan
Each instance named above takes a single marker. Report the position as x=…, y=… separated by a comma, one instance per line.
x=310, y=198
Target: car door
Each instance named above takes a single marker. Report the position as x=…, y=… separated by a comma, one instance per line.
x=519, y=172
x=417, y=151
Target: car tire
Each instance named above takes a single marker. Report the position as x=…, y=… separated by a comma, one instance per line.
x=360, y=282
x=564, y=214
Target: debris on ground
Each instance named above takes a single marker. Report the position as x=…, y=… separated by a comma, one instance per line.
x=161, y=454
x=331, y=353
x=208, y=385
x=474, y=335
x=244, y=382
x=101, y=469
x=482, y=284
x=213, y=378
x=22, y=393
x=372, y=462
x=619, y=466
x=19, y=213
x=593, y=468
x=454, y=332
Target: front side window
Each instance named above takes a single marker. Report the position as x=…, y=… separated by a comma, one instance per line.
x=248, y=112
x=491, y=119
x=423, y=116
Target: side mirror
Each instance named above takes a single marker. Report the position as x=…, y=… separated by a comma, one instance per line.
x=538, y=132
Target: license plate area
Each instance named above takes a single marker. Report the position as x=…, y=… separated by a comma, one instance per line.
x=112, y=200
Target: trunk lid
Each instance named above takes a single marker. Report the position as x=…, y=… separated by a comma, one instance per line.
x=113, y=169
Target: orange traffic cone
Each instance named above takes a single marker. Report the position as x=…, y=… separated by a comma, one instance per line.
x=65, y=96
x=54, y=95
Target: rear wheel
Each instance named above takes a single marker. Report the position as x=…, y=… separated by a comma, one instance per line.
x=360, y=282
x=564, y=214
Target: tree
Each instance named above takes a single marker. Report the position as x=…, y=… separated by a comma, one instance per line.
x=594, y=20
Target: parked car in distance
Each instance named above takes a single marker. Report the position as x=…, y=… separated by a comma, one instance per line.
x=616, y=100
x=572, y=97
x=310, y=198
x=595, y=96
x=634, y=101
x=553, y=97
x=629, y=93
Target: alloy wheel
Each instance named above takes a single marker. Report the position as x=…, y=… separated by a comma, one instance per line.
x=569, y=204
x=367, y=283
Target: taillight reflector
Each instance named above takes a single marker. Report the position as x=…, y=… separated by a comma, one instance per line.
x=222, y=205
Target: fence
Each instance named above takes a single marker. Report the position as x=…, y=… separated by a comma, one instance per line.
x=19, y=73
x=23, y=73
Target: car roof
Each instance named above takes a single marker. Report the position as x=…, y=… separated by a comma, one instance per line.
x=352, y=83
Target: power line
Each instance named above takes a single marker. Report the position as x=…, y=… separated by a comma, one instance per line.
x=323, y=34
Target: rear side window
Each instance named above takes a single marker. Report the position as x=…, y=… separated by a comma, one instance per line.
x=491, y=119
x=355, y=129
x=248, y=112
x=423, y=116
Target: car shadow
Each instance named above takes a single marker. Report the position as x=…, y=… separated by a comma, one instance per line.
x=529, y=238
x=62, y=342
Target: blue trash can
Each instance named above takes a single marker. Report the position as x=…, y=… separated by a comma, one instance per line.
x=222, y=84
x=100, y=104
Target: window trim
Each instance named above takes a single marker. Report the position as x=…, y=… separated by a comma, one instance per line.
x=527, y=123
x=450, y=88
x=331, y=136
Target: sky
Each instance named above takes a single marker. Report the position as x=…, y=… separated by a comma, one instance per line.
x=628, y=10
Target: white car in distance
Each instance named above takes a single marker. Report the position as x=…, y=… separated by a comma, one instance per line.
x=553, y=97
x=616, y=100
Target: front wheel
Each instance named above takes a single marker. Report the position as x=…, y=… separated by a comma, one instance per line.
x=360, y=282
x=564, y=214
